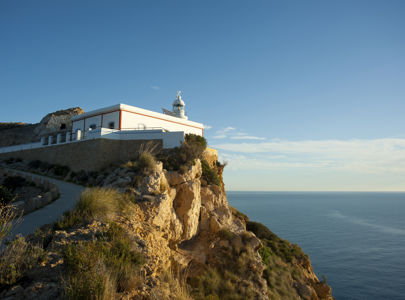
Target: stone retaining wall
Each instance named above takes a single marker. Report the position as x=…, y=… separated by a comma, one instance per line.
x=51, y=194
x=89, y=155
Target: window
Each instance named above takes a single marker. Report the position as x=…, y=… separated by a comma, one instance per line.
x=92, y=127
x=111, y=125
x=63, y=126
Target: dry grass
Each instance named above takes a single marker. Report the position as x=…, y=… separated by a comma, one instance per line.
x=96, y=204
x=8, y=218
x=17, y=258
x=175, y=286
x=103, y=268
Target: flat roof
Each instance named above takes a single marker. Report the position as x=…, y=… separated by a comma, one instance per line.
x=130, y=108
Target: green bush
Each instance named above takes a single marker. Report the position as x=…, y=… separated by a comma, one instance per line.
x=61, y=171
x=210, y=175
x=101, y=268
x=18, y=257
x=180, y=158
x=279, y=247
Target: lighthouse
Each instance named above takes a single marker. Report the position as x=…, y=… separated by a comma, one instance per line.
x=178, y=107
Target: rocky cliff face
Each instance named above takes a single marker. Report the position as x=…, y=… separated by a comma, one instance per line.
x=186, y=228
x=20, y=133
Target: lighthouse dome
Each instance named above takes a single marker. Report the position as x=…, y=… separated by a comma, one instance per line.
x=178, y=101
x=178, y=107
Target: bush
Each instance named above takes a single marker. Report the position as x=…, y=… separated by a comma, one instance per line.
x=7, y=214
x=6, y=196
x=209, y=175
x=61, y=171
x=95, y=204
x=34, y=164
x=146, y=162
x=180, y=158
x=101, y=268
x=14, y=182
x=278, y=247
x=17, y=258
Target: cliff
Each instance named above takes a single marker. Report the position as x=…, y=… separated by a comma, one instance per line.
x=157, y=230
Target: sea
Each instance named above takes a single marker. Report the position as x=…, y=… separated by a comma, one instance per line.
x=355, y=239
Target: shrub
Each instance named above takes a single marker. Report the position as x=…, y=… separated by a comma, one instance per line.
x=279, y=247
x=176, y=285
x=99, y=269
x=61, y=171
x=9, y=161
x=180, y=158
x=14, y=182
x=95, y=204
x=7, y=214
x=34, y=164
x=210, y=175
x=6, y=196
x=146, y=162
x=17, y=258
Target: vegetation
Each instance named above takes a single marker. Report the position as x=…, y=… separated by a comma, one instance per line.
x=7, y=214
x=45, y=167
x=17, y=258
x=274, y=245
x=229, y=273
x=145, y=163
x=6, y=196
x=95, y=204
x=101, y=268
x=210, y=175
x=14, y=182
x=181, y=158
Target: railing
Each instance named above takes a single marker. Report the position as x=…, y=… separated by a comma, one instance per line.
x=99, y=132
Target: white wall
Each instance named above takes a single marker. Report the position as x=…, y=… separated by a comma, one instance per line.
x=77, y=125
x=136, y=121
x=96, y=120
x=111, y=117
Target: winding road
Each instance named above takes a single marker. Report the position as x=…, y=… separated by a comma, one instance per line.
x=69, y=193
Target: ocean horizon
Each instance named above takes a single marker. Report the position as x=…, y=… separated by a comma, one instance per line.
x=355, y=239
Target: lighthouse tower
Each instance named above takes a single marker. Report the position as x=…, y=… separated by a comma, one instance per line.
x=178, y=107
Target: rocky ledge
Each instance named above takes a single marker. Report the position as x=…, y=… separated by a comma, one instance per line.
x=193, y=245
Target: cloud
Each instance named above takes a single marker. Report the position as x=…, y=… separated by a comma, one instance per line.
x=232, y=133
x=356, y=155
x=155, y=87
x=207, y=127
x=246, y=137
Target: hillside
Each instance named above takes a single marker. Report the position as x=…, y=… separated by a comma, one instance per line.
x=158, y=227
x=22, y=133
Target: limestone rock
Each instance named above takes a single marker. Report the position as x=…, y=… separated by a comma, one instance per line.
x=187, y=205
x=194, y=172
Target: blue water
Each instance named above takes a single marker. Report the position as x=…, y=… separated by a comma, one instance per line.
x=357, y=240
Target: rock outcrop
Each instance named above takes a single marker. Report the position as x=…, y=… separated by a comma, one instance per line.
x=20, y=133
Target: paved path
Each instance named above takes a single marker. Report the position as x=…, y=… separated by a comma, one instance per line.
x=69, y=193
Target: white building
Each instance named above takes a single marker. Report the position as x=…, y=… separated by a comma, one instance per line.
x=124, y=122
x=137, y=122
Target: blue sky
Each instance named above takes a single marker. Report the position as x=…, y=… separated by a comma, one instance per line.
x=299, y=95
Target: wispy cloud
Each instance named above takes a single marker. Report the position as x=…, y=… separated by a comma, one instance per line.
x=207, y=127
x=155, y=87
x=232, y=133
x=366, y=156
